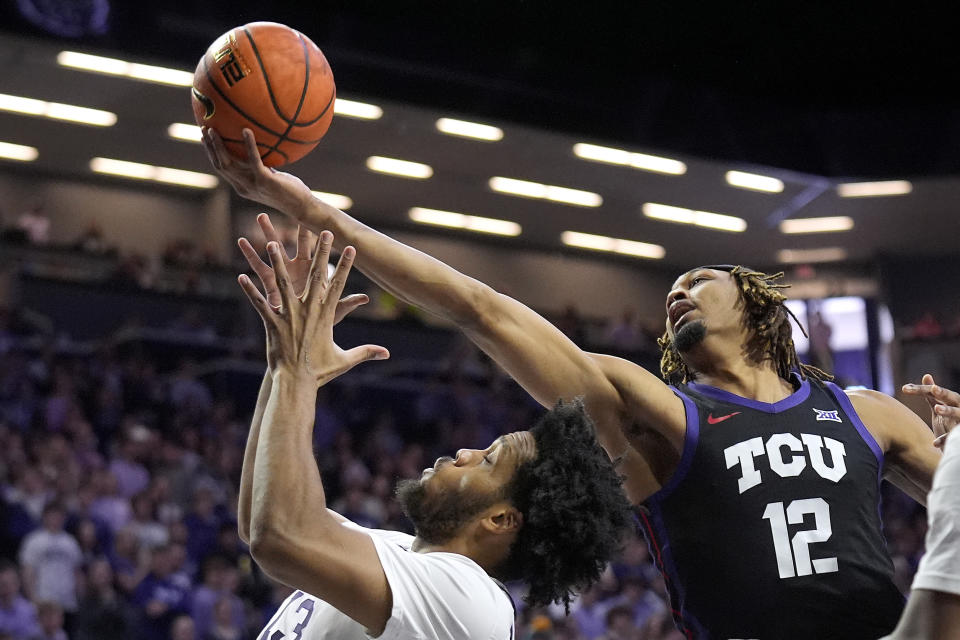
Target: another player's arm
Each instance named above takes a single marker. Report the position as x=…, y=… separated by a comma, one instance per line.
x=529, y=348
x=910, y=458
x=547, y=364
x=293, y=536
x=249, y=456
x=298, y=268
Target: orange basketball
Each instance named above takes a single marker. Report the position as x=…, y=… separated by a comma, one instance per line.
x=271, y=79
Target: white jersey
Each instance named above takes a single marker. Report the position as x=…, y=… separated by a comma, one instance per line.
x=939, y=568
x=436, y=596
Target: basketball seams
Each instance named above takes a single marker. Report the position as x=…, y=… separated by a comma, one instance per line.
x=273, y=42
x=266, y=77
x=303, y=95
x=322, y=113
x=226, y=98
x=259, y=144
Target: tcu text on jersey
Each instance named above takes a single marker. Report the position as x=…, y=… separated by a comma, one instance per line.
x=788, y=456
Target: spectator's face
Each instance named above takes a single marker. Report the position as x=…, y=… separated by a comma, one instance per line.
x=53, y=520
x=9, y=583
x=455, y=490
x=100, y=574
x=182, y=629
x=161, y=562
x=87, y=534
x=51, y=619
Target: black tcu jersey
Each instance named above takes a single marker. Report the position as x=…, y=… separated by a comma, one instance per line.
x=770, y=527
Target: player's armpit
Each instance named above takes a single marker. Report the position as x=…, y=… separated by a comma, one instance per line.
x=909, y=455
x=648, y=402
x=333, y=562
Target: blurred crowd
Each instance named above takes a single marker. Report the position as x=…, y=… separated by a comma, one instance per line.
x=119, y=474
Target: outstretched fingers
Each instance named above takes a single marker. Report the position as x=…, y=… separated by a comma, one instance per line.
x=936, y=395
x=339, y=281
x=261, y=268
x=256, y=298
x=253, y=153
x=363, y=353
x=348, y=305
x=269, y=231
x=216, y=151
x=275, y=251
x=317, y=278
x=304, y=237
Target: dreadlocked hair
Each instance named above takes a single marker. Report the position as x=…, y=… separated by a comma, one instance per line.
x=575, y=513
x=768, y=318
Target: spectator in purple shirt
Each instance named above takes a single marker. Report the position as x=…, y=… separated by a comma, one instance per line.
x=132, y=477
x=18, y=616
x=50, y=615
x=160, y=597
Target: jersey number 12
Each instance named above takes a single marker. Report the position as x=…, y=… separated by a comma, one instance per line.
x=796, y=552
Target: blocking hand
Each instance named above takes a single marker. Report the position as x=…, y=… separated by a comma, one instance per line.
x=300, y=331
x=298, y=267
x=944, y=406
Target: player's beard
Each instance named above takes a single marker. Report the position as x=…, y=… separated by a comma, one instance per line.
x=438, y=517
x=690, y=335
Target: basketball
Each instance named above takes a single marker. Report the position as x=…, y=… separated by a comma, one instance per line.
x=271, y=79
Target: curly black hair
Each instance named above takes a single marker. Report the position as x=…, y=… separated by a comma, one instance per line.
x=575, y=513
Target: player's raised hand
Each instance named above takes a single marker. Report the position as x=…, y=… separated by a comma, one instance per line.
x=298, y=267
x=300, y=331
x=251, y=179
x=944, y=406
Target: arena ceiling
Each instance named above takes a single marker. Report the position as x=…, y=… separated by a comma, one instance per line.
x=814, y=96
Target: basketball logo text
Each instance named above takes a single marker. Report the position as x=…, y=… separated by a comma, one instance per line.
x=230, y=63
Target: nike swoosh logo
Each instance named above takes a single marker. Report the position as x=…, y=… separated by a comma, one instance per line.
x=208, y=105
x=712, y=420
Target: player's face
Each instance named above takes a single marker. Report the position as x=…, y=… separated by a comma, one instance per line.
x=701, y=300
x=481, y=471
x=455, y=490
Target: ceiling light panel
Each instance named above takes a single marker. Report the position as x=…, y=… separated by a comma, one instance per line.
x=397, y=167
x=612, y=245
x=705, y=219
x=359, y=110
x=140, y=171
x=184, y=131
x=463, y=221
x=57, y=111
x=872, y=189
x=539, y=191
x=642, y=161
x=754, y=182
x=817, y=225
x=117, y=67
x=466, y=129
x=825, y=254
x=20, y=152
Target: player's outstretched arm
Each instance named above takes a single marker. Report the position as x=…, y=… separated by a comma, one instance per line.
x=531, y=350
x=293, y=537
x=298, y=267
x=910, y=457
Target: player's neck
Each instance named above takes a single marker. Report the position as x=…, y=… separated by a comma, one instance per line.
x=488, y=558
x=739, y=377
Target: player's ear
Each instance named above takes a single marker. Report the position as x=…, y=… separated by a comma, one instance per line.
x=502, y=517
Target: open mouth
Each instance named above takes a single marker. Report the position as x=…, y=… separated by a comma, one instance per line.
x=679, y=311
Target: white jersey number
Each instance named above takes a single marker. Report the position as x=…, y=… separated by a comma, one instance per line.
x=793, y=556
